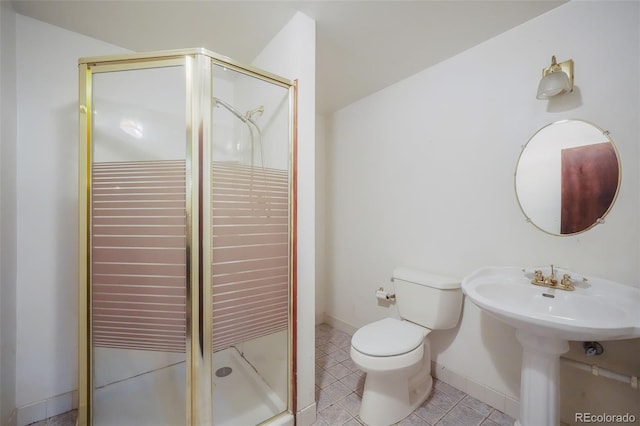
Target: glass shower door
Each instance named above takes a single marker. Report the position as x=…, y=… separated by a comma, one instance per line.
x=138, y=239
x=186, y=242
x=251, y=248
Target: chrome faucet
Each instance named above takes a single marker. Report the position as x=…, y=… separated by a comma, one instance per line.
x=551, y=281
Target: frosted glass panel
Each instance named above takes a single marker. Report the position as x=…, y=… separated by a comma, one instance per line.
x=138, y=253
x=250, y=260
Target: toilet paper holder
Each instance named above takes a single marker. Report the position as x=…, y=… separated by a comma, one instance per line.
x=381, y=294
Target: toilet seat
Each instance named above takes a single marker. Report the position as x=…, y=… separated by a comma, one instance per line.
x=388, y=337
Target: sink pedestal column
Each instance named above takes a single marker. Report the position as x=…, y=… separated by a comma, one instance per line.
x=539, y=390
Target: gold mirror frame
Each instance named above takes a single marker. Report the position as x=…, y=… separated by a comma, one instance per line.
x=560, y=187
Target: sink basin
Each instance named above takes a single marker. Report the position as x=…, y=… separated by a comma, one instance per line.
x=545, y=319
x=597, y=309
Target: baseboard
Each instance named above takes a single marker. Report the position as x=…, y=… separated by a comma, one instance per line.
x=339, y=324
x=498, y=400
x=42, y=410
x=319, y=318
x=306, y=416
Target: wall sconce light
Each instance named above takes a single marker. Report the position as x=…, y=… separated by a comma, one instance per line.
x=556, y=79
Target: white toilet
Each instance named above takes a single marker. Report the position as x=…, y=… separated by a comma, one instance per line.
x=395, y=354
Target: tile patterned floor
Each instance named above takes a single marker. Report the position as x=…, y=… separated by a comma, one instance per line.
x=339, y=387
x=64, y=419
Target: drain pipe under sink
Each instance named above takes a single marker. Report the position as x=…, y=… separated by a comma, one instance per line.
x=599, y=371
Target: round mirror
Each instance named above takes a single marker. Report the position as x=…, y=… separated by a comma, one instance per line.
x=567, y=177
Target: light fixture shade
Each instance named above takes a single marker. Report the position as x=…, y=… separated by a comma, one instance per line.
x=553, y=84
x=556, y=79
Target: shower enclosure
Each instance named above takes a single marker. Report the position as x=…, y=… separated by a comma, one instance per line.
x=187, y=233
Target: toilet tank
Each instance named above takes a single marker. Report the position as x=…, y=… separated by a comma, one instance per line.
x=430, y=300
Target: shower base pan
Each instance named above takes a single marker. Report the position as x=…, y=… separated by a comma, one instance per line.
x=157, y=398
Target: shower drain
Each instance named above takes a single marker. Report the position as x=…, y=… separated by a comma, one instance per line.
x=223, y=372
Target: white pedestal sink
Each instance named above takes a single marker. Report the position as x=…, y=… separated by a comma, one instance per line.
x=546, y=319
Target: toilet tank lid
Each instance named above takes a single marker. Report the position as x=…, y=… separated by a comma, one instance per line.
x=418, y=276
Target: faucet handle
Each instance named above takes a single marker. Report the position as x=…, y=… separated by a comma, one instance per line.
x=537, y=276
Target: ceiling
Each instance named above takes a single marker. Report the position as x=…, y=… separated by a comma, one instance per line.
x=361, y=46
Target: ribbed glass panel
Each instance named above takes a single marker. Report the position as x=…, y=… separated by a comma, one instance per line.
x=139, y=245
x=138, y=256
x=250, y=252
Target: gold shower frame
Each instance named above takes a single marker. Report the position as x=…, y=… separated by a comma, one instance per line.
x=198, y=64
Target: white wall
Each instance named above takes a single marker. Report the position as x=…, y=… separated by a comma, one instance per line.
x=47, y=90
x=8, y=214
x=421, y=173
x=321, y=217
x=291, y=54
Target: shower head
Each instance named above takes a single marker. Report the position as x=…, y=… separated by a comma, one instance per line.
x=260, y=110
x=247, y=119
x=248, y=116
x=232, y=110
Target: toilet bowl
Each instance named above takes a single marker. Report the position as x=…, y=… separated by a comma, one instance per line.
x=396, y=357
x=395, y=353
